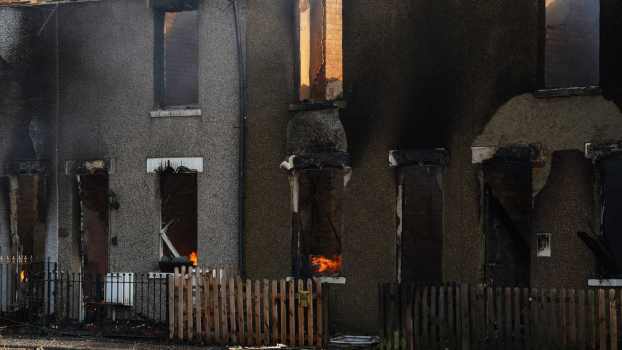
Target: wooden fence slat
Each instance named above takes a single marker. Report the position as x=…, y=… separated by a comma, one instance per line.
x=301, y=314
x=232, y=312
x=282, y=310
x=320, y=314
x=507, y=299
x=464, y=302
x=224, y=312
x=473, y=316
x=257, y=301
x=592, y=319
x=310, y=332
x=451, y=319
x=517, y=314
x=442, y=320
x=209, y=305
x=416, y=317
x=425, y=312
x=602, y=324
x=187, y=278
x=275, y=312
x=216, y=299
x=171, y=306
x=564, y=318
x=291, y=312
x=180, y=306
x=534, y=321
x=572, y=317
x=525, y=317
x=433, y=319
x=199, y=304
x=581, y=320
x=266, y=312
x=613, y=320
x=240, y=309
x=250, y=330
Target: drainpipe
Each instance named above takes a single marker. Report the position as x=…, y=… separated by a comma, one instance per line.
x=242, y=135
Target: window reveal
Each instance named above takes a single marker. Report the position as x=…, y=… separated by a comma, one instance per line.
x=177, y=62
x=318, y=223
x=178, y=192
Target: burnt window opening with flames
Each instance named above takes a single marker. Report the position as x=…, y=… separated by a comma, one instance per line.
x=318, y=223
x=177, y=57
x=571, y=43
x=178, y=195
x=320, y=49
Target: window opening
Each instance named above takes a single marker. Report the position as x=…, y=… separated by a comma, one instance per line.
x=178, y=194
x=507, y=203
x=572, y=44
x=93, y=199
x=319, y=223
x=177, y=68
x=320, y=49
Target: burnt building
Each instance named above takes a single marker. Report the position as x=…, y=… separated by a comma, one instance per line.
x=357, y=142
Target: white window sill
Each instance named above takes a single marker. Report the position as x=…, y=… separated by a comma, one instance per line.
x=168, y=113
x=607, y=282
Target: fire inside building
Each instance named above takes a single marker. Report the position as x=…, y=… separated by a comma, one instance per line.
x=354, y=142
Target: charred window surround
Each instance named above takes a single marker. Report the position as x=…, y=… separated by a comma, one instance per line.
x=317, y=184
x=419, y=211
x=93, y=203
x=606, y=242
x=178, y=200
x=506, y=204
x=176, y=57
x=319, y=40
x=27, y=184
x=178, y=189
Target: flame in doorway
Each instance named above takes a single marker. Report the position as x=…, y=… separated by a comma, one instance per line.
x=323, y=264
x=194, y=258
x=22, y=276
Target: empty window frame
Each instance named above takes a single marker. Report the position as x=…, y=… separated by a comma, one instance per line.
x=507, y=203
x=93, y=192
x=420, y=233
x=572, y=43
x=177, y=58
x=611, y=206
x=320, y=49
x=178, y=195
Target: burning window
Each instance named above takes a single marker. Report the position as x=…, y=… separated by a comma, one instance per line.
x=178, y=192
x=318, y=222
x=572, y=43
x=177, y=48
x=320, y=49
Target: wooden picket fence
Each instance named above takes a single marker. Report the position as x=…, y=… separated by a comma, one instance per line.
x=478, y=317
x=208, y=307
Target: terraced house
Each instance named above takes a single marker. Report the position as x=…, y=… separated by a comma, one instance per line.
x=357, y=141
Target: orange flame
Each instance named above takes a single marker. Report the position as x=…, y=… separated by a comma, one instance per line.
x=324, y=264
x=194, y=258
x=22, y=276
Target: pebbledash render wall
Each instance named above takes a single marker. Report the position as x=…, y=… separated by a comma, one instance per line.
x=106, y=95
